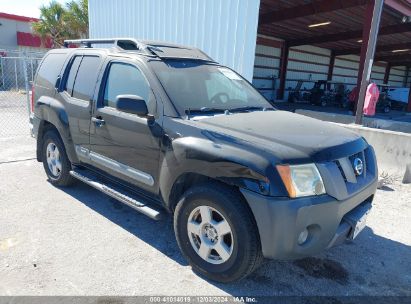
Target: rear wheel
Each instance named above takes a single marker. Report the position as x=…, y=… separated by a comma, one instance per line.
x=216, y=233
x=55, y=160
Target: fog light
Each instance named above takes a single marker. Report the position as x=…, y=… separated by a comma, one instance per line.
x=302, y=237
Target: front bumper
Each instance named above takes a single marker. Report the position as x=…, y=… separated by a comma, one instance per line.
x=280, y=221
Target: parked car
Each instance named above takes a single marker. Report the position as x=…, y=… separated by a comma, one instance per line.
x=399, y=95
x=162, y=127
x=384, y=103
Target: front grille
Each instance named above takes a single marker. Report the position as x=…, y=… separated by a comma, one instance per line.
x=341, y=170
x=347, y=168
x=352, y=179
x=339, y=175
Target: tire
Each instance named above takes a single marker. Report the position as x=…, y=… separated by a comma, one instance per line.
x=55, y=161
x=243, y=248
x=387, y=109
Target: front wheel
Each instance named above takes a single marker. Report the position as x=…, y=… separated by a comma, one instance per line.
x=216, y=233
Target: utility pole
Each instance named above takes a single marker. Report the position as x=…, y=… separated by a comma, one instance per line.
x=370, y=34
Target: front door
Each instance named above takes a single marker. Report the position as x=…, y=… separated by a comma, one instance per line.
x=123, y=144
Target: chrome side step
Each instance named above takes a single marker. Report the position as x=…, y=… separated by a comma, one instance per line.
x=116, y=194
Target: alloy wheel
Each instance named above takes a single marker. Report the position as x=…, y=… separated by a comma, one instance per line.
x=210, y=235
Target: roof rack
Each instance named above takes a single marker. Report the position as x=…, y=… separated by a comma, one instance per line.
x=123, y=43
x=161, y=50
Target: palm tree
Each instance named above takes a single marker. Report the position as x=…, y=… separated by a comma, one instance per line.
x=52, y=23
x=61, y=23
x=77, y=18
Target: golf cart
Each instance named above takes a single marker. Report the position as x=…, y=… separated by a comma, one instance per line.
x=327, y=92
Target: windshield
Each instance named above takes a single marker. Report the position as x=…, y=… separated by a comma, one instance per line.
x=195, y=86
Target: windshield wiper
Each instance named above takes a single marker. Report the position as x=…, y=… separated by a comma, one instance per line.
x=204, y=110
x=250, y=108
x=207, y=110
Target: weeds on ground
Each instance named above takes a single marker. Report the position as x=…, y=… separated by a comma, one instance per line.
x=387, y=179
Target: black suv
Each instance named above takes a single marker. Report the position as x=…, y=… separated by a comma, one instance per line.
x=164, y=127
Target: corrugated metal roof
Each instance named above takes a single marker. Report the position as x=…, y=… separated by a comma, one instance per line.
x=347, y=19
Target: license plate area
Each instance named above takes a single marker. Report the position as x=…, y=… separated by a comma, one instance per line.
x=357, y=219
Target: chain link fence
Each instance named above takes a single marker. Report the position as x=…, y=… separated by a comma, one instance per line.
x=17, y=70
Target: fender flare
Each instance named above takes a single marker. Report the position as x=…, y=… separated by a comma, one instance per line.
x=223, y=162
x=53, y=112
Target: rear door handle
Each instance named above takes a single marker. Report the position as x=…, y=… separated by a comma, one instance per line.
x=98, y=121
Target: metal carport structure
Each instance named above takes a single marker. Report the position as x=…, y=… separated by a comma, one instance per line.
x=345, y=28
x=266, y=39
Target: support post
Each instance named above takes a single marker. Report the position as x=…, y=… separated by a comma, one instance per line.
x=2, y=72
x=26, y=83
x=407, y=73
x=370, y=34
x=15, y=74
x=283, y=70
x=409, y=101
x=331, y=66
x=387, y=73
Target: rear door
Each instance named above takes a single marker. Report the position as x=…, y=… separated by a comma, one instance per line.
x=126, y=145
x=78, y=87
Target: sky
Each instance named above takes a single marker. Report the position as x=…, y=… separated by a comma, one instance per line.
x=28, y=8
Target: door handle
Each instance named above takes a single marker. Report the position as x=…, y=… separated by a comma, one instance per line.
x=98, y=121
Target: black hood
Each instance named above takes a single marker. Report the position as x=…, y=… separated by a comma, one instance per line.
x=288, y=136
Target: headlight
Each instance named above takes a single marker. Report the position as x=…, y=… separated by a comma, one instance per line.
x=301, y=180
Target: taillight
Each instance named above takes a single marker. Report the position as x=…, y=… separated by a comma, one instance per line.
x=32, y=99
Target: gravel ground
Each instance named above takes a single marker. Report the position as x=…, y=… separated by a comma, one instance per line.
x=77, y=241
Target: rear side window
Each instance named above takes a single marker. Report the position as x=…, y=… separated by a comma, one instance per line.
x=125, y=79
x=86, y=78
x=50, y=69
x=72, y=74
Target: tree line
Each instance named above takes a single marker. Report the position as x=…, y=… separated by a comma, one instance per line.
x=59, y=22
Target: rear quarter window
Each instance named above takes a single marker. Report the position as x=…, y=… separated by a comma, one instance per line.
x=50, y=70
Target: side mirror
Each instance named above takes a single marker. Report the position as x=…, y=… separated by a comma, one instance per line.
x=132, y=104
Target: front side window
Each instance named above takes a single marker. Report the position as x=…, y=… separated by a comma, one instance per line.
x=86, y=78
x=124, y=79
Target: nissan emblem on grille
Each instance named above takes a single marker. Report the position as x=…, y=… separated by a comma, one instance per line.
x=358, y=166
